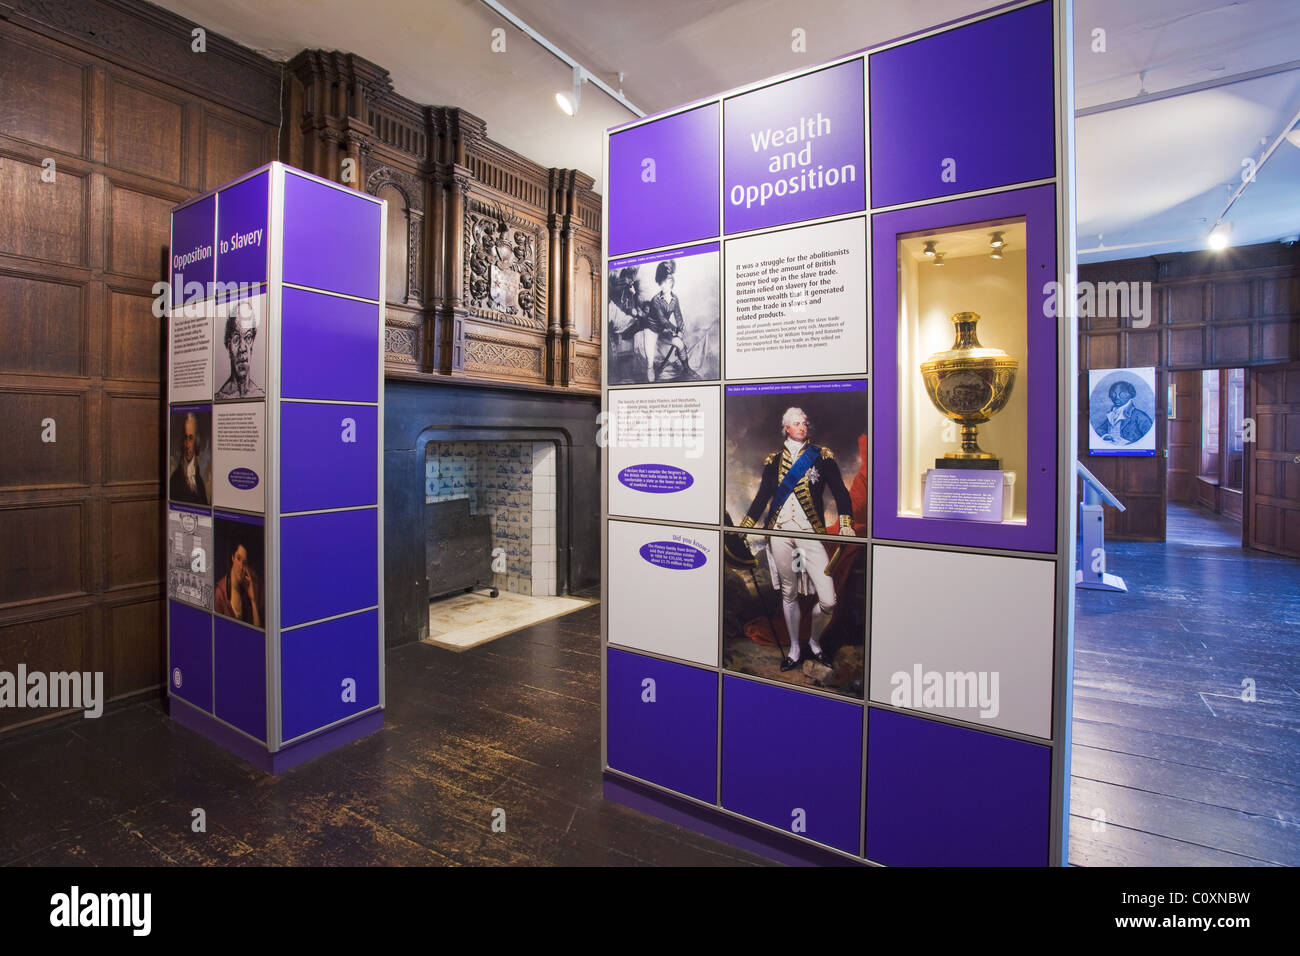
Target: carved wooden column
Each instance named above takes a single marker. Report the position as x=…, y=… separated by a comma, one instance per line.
x=453, y=310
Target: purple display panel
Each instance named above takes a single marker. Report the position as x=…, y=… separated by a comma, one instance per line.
x=330, y=347
x=331, y=238
x=1038, y=206
x=939, y=795
x=795, y=150
x=975, y=103
x=672, y=739
x=189, y=631
x=315, y=662
x=193, y=250
x=327, y=565
x=327, y=456
x=787, y=750
x=243, y=239
x=240, y=654
x=663, y=182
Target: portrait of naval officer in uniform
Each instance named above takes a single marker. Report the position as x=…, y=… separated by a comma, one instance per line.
x=790, y=497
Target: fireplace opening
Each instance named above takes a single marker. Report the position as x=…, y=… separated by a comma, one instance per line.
x=491, y=509
x=491, y=540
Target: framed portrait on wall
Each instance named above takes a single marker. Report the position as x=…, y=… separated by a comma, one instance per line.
x=1122, y=411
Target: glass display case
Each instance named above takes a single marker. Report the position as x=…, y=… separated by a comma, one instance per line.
x=961, y=357
x=965, y=364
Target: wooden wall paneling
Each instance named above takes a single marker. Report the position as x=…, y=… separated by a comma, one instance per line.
x=131, y=556
x=134, y=121
x=1103, y=351
x=155, y=43
x=135, y=657
x=44, y=221
x=138, y=228
x=1186, y=347
x=30, y=461
x=1185, y=303
x=58, y=641
x=133, y=434
x=1184, y=441
x=45, y=94
x=49, y=559
x=134, y=340
x=1231, y=345
x=231, y=146
x=43, y=325
x=1272, y=501
x=147, y=129
x=1232, y=299
x=1142, y=349
x=1230, y=501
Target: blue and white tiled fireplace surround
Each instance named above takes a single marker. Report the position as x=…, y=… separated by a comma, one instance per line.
x=514, y=484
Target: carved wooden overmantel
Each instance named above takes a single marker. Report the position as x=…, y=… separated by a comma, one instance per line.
x=494, y=261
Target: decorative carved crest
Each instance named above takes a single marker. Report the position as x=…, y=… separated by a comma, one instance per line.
x=505, y=266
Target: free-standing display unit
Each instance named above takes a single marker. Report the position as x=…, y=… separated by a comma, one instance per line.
x=274, y=524
x=839, y=452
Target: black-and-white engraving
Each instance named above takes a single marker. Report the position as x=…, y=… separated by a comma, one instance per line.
x=241, y=361
x=1121, y=411
x=664, y=319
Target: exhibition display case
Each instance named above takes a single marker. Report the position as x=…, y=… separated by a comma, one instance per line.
x=838, y=454
x=275, y=527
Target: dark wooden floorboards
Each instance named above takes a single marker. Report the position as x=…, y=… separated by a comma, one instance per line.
x=1172, y=765
x=514, y=725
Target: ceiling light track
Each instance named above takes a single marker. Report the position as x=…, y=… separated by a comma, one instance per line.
x=1259, y=165
x=1190, y=88
x=581, y=74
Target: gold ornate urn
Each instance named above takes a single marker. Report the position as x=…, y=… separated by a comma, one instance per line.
x=969, y=384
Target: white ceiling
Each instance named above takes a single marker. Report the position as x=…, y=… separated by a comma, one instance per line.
x=1152, y=177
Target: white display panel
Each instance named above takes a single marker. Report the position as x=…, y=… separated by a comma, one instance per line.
x=189, y=343
x=663, y=590
x=979, y=622
x=664, y=447
x=189, y=558
x=796, y=302
x=239, y=456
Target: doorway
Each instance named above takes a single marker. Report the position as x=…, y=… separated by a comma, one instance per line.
x=1208, y=431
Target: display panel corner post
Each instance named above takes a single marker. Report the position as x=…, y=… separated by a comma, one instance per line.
x=278, y=653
